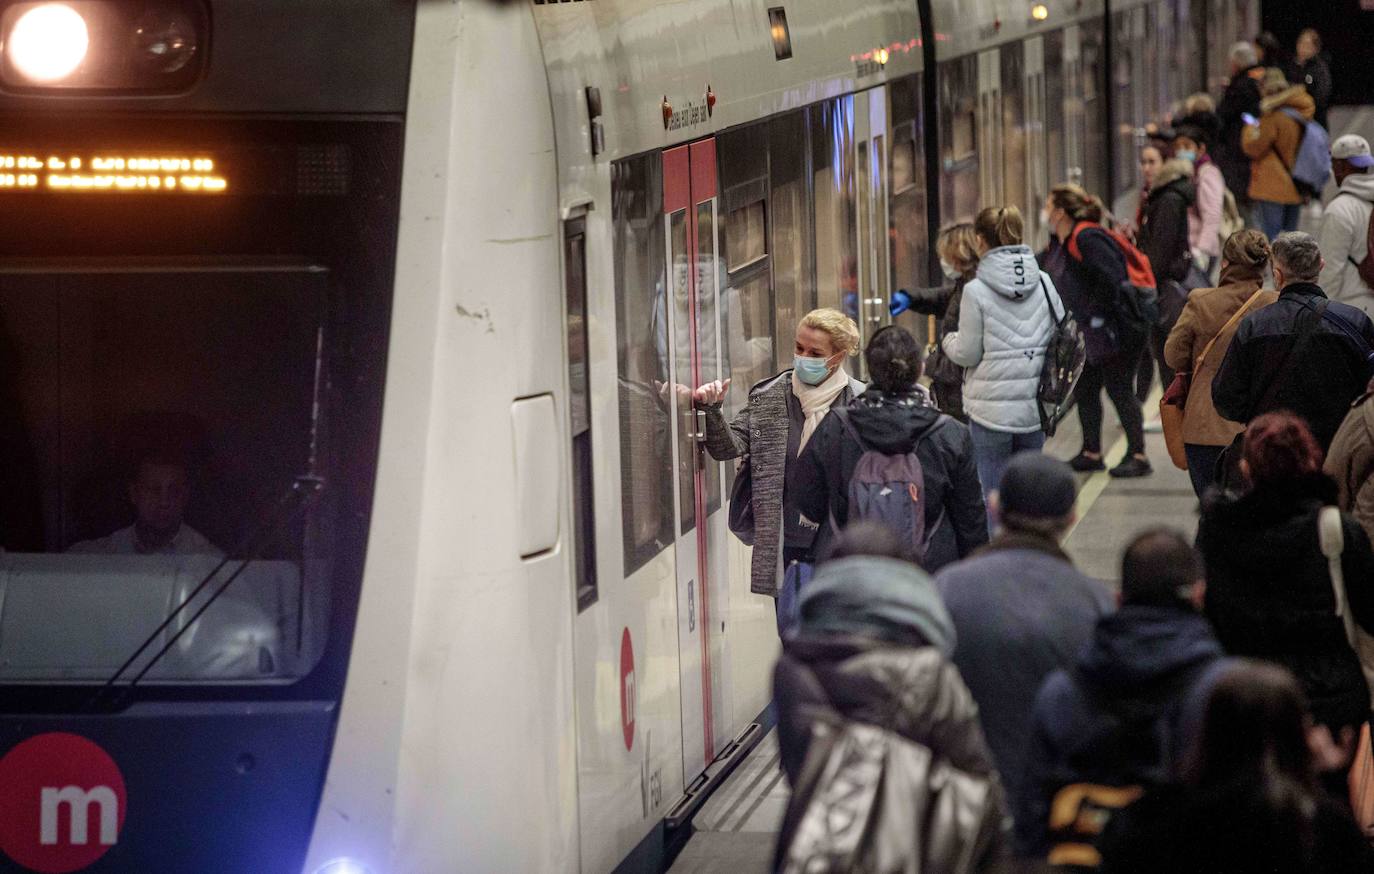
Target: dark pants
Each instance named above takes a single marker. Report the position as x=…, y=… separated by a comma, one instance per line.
x=1117, y=374
x=1153, y=355
x=1202, y=465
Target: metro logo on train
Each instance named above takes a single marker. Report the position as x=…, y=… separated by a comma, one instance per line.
x=63, y=805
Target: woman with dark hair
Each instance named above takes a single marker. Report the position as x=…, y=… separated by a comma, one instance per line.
x=1269, y=588
x=894, y=418
x=1089, y=269
x=1250, y=800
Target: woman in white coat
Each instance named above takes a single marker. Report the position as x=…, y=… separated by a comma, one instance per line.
x=1009, y=313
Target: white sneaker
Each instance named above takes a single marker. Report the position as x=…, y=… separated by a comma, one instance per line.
x=1154, y=426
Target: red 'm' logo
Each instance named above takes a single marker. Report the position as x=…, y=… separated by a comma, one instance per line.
x=627, y=689
x=62, y=803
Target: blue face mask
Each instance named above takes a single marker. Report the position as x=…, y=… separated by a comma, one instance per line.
x=1190, y=157
x=812, y=371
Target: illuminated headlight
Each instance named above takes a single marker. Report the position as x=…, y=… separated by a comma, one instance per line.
x=342, y=866
x=84, y=46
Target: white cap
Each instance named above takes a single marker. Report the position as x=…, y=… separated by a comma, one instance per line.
x=1352, y=148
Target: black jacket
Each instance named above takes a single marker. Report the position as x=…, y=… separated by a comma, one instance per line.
x=946, y=377
x=1269, y=589
x=1318, y=383
x=1231, y=829
x=895, y=425
x=1091, y=287
x=1122, y=717
x=1163, y=233
x=1242, y=96
x=1315, y=76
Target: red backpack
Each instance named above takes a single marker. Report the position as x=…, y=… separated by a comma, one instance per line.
x=1140, y=301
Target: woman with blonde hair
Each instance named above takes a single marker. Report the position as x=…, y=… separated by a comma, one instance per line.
x=771, y=431
x=957, y=246
x=1010, y=310
x=1198, y=344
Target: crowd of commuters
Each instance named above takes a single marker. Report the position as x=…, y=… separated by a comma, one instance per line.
x=953, y=693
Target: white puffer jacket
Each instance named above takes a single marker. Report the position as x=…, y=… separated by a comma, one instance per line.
x=1004, y=327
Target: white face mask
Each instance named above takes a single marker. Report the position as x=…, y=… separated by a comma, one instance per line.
x=949, y=270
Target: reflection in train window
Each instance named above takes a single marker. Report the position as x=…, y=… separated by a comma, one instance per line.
x=1060, y=120
x=1014, y=134
x=746, y=236
x=910, y=256
x=746, y=300
x=642, y=358
x=832, y=157
x=959, y=139
x=146, y=437
x=1093, y=75
x=793, y=289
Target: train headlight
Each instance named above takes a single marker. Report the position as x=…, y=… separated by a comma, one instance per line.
x=47, y=42
x=102, y=46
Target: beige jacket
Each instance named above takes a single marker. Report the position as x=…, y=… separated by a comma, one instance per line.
x=1207, y=311
x=1351, y=462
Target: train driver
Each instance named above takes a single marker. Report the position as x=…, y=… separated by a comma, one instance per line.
x=159, y=492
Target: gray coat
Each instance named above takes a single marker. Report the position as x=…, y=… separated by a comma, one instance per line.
x=761, y=432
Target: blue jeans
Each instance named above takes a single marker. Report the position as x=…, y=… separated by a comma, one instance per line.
x=993, y=449
x=1202, y=465
x=1275, y=218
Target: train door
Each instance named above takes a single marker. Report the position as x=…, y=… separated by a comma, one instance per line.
x=1075, y=122
x=691, y=212
x=871, y=143
x=1037, y=150
x=990, y=127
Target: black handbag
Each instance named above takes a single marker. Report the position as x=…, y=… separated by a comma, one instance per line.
x=1065, y=356
x=741, y=515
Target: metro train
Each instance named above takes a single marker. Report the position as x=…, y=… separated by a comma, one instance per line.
x=391, y=304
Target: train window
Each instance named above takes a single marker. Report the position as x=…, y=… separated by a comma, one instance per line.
x=746, y=236
x=959, y=188
x=1092, y=76
x=143, y=441
x=908, y=231
x=794, y=290
x=642, y=358
x=1126, y=105
x=1061, y=117
x=1015, y=136
x=580, y=413
x=832, y=155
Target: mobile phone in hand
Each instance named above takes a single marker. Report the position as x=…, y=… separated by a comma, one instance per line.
x=1249, y=119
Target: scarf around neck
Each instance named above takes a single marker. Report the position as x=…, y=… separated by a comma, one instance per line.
x=816, y=400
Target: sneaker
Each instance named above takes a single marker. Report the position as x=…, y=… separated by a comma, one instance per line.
x=1084, y=463
x=1154, y=426
x=1131, y=468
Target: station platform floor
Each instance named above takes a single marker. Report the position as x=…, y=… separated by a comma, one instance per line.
x=736, y=829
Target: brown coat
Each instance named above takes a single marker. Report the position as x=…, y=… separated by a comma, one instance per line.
x=1207, y=311
x=1276, y=135
x=1351, y=462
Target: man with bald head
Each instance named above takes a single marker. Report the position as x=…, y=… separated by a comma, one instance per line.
x=1304, y=352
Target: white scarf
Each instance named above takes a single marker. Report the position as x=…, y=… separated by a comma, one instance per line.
x=816, y=401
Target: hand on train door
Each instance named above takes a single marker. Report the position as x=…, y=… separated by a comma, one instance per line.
x=711, y=393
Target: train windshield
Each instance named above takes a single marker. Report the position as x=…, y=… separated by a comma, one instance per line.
x=173, y=365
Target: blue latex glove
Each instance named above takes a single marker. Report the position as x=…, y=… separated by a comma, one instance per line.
x=900, y=303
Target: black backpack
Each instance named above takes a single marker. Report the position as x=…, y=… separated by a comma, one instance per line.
x=1065, y=356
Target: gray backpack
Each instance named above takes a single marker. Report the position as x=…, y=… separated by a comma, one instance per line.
x=890, y=489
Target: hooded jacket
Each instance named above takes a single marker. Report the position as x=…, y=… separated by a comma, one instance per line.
x=768, y=431
x=1163, y=235
x=1159, y=661
x=1351, y=463
x=1273, y=146
x=1005, y=324
x=1269, y=589
x=956, y=517
x=1344, y=240
x=1259, y=375
x=873, y=648
x=1021, y=610
x=1204, y=315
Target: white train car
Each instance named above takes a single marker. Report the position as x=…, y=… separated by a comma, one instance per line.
x=447, y=268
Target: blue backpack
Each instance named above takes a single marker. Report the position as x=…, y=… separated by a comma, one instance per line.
x=1313, y=165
